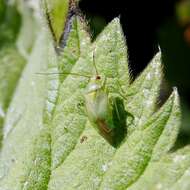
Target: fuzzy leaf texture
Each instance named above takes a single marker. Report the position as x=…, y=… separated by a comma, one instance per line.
x=48, y=141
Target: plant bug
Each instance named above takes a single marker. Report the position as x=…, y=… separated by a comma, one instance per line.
x=106, y=114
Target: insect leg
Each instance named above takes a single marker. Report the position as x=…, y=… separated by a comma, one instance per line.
x=116, y=109
x=129, y=114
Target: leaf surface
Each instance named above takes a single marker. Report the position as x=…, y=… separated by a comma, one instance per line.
x=48, y=141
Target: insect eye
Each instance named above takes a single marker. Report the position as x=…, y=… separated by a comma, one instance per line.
x=98, y=77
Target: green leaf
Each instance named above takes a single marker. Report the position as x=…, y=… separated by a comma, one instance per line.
x=132, y=158
x=170, y=172
x=145, y=91
x=48, y=141
x=170, y=132
x=69, y=129
x=60, y=114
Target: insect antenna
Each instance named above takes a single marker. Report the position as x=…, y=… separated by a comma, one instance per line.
x=65, y=73
x=95, y=65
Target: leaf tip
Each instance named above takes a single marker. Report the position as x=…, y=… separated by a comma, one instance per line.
x=175, y=95
x=175, y=92
x=115, y=22
x=156, y=62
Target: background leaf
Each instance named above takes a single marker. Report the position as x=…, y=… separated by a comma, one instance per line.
x=23, y=124
x=11, y=60
x=11, y=65
x=56, y=12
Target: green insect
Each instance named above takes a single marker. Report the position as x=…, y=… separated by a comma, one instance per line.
x=106, y=114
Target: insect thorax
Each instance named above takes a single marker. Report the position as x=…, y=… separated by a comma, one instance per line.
x=96, y=83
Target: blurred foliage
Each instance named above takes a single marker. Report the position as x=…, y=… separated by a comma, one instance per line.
x=2, y=10
x=10, y=25
x=183, y=11
x=17, y=32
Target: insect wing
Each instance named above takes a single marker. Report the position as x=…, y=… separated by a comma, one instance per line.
x=101, y=104
x=90, y=107
x=100, y=114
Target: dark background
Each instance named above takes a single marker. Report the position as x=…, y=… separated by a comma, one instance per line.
x=148, y=25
